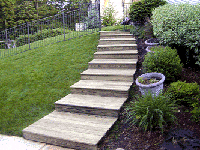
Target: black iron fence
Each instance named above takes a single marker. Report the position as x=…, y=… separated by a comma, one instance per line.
x=126, y=18
x=76, y=20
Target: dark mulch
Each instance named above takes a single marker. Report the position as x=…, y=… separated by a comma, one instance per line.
x=122, y=135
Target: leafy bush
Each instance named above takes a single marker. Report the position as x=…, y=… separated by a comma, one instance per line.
x=196, y=114
x=178, y=27
x=140, y=10
x=164, y=60
x=148, y=112
x=108, y=16
x=143, y=31
x=184, y=93
x=23, y=39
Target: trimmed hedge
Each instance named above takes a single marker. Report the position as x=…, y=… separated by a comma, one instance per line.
x=140, y=10
x=163, y=60
x=23, y=39
x=184, y=93
x=179, y=27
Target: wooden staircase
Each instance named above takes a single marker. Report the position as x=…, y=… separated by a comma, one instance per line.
x=82, y=118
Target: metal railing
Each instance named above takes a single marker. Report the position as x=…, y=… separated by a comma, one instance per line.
x=76, y=21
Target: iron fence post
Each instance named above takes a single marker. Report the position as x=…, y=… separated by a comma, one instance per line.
x=6, y=35
x=64, y=24
x=28, y=36
x=99, y=15
x=123, y=14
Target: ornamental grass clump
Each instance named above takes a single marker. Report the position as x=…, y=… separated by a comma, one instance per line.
x=179, y=26
x=149, y=113
x=164, y=60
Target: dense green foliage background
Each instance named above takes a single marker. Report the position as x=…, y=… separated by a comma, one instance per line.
x=16, y=12
x=182, y=24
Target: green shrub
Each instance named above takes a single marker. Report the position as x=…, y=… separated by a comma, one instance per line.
x=178, y=27
x=184, y=93
x=142, y=31
x=108, y=16
x=140, y=10
x=148, y=112
x=196, y=114
x=40, y=35
x=164, y=60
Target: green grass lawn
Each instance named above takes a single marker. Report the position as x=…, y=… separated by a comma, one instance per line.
x=32, y=81
x=117, y=27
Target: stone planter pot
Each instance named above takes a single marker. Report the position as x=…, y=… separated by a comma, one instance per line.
x=154, y=88
x=148, y=49
x=151, y=42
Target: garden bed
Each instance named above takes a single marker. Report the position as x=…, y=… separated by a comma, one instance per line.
x=122, y=135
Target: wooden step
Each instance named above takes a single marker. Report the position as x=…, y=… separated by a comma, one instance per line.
x=102, y=33
x=117, y=41
x=93, y=105
x=126, y=54
x=108, y=74
x=101, y=88
x=113, y=36
x=112, y=64
x=71, y=130
x=117, y=47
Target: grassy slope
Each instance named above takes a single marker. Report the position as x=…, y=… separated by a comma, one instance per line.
x=44, y=42
x=31, y=82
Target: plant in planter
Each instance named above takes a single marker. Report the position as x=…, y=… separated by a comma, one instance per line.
x=152, y=82
x=147, y=81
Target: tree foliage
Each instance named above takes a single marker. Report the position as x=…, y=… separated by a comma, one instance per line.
x=15, y=12
x=7, y=14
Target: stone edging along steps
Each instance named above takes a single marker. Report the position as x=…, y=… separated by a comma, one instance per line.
x=82, y=118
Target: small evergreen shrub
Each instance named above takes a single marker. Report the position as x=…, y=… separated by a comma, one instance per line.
x=108, y=16
x=140, y=10
x=178, y=27
x=184, y=93
x=148, y=112
x=164, y=60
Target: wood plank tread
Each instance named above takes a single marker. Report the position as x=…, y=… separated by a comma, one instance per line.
x=117, y=52
x=72, y=126
x=103, y=85
x=92, y=101
x=118, y=39
x=114, y=61
x=114, y=72
x=119, y=45
x=116, y=34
